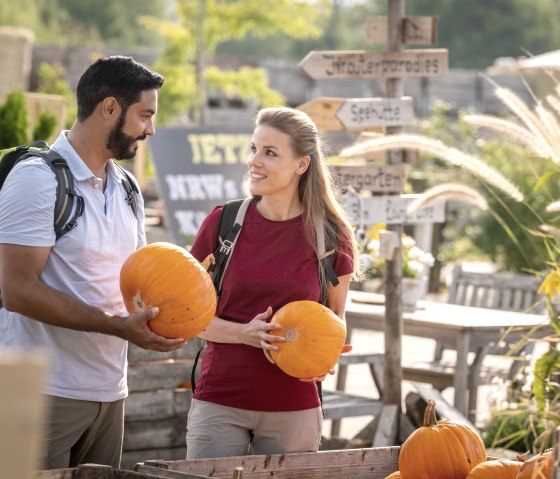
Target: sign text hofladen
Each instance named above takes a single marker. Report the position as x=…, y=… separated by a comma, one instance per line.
x=356, y=64
x=374, y=178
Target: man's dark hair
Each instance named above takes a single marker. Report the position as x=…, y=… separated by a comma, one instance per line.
x=117, y=76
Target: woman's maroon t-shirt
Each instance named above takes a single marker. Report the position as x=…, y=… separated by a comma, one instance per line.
x=272, y=264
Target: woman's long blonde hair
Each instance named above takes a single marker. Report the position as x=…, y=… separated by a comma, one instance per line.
x=317, y=192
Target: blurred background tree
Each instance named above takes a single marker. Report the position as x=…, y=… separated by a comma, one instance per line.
x=199, y=26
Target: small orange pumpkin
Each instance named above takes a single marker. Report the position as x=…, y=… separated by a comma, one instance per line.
x=169, y=277
x=314, y=339
x=496, y=469
x=440, y=449
x=538, y=467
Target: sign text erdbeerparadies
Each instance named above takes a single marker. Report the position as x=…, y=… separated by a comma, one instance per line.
x=365, y=64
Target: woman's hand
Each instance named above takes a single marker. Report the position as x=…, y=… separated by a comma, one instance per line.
x=256, y=333
x=345, y=349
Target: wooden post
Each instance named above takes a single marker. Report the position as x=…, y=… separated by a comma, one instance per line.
x=393, y=288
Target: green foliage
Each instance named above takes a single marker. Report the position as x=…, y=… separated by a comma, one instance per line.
x=511, y=225
x=44, y=127
x=477, y=32
x=66, y=22
x=518, y=430
x=202, y=26
x=178, y=93
x=250, y=84
x=13, y=121
x=52, y=81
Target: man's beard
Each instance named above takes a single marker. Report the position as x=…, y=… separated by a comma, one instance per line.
x=120, y=143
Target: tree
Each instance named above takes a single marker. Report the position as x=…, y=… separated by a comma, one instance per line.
x=13, y=121
x=477, y=32
x=201, y=25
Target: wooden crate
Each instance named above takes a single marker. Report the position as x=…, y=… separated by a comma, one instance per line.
x=158, y=403
x=96, y=471
x=372, y=463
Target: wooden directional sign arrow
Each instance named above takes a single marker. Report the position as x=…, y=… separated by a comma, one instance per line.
x=415, y=30
x=368, y=177
x=391, y=209
x=366, y=64
x=363, y=113
x=359, y=113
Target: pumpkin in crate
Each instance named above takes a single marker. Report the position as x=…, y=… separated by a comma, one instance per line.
x=440, y=449
x=538, y=467
x=496, y=469
x=169, y=277
x=314, y=339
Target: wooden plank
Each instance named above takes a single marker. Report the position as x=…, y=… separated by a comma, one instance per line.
x=443, y=409
x=154, y=434
x=166, y=473
x=360, y=113
x=131, y=458
x=323, y=112
x=356, y=114
x=416, y=30
x=157, y=404
x=22, y=413
x=188, y=351
x=387, y=426
x=338, y=405
x=376, y=463
x=391, y=209
x=150, y=375
x=375, y=178
x=68, y=473
x=357, y=64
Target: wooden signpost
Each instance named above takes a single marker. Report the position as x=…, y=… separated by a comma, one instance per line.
x=392, y=112
x=392, y=210
x=368, y=64
x=375, y=178
x=415, y=30
x=359, y=113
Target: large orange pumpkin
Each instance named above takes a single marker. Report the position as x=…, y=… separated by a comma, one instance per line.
x=169, y=277
x=538, y=467
x=314, y=339
x=440, y=449
x=496, y=469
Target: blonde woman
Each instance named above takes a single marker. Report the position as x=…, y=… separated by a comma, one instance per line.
x=243, y=401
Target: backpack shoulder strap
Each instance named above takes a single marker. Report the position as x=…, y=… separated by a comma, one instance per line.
x=231, y=221
x=326, y=249
x=65, y=214
x=130, y=188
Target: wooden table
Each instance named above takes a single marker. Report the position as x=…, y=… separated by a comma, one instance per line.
x=469, y=328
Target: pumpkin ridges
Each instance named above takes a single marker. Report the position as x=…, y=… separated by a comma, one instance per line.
x=318, y=339
x=444, y=450
x=496, y=469
x=168, y=275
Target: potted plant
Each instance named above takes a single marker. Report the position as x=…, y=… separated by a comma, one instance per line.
x=415, y=264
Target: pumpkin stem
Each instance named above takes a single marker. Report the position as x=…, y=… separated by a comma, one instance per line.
x=430, y=418
x=209, y=260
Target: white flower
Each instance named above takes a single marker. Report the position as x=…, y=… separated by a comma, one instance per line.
x=366, y=261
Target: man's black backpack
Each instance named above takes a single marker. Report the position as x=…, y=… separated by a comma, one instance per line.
x=231, y=221
x=69, y=205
